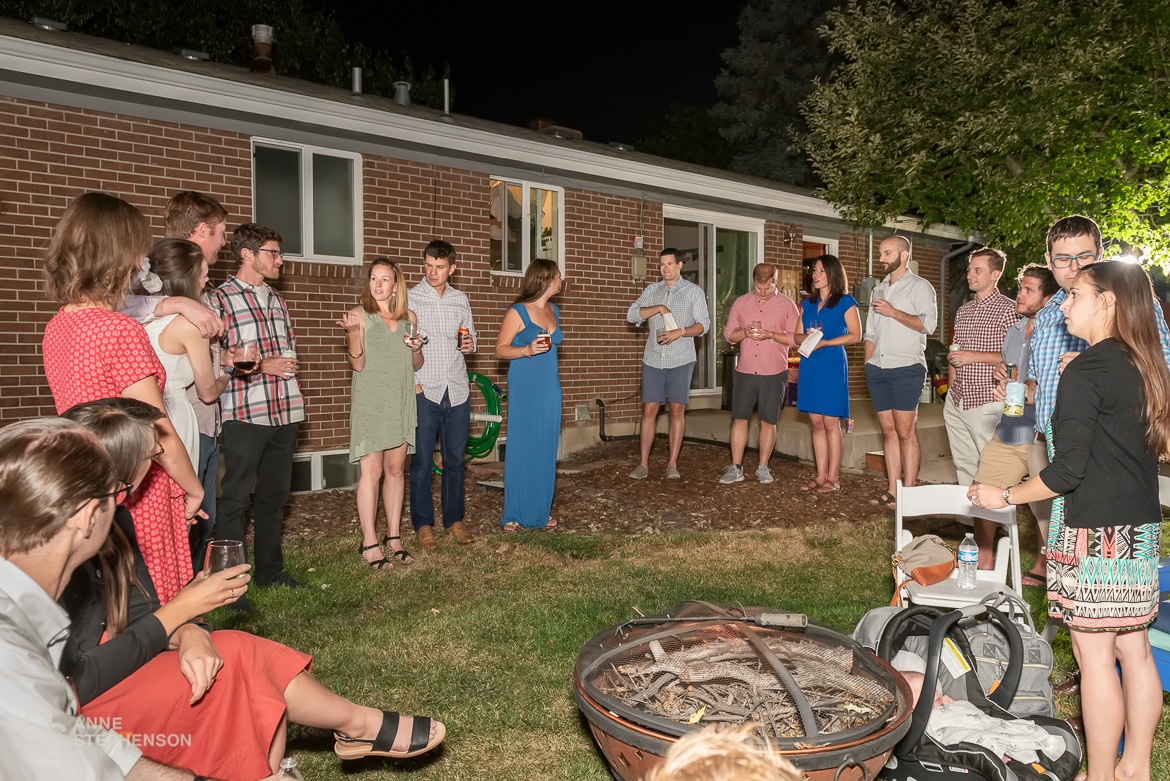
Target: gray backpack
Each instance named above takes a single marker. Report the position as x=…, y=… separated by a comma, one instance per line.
x=990, y=648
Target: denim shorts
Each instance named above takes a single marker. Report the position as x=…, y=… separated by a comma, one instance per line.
x=898, y=389
x=659, y=385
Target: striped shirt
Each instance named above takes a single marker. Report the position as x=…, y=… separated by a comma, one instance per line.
x=444, y=368
x=258, y=313
x=687, y=302
x=980, y=326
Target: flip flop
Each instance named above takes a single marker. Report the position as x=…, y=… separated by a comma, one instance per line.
x=512, y=527
x=814, y=485
x=1034, y=579
x=419, y=737
x=886, y=500
x=551, y=525
x=828, y=488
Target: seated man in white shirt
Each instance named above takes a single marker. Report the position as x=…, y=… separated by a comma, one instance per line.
x=57, y=500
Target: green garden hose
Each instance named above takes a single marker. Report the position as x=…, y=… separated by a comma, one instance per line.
x=483, y=444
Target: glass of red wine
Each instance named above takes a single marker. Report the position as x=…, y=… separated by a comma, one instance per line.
x=247, y=356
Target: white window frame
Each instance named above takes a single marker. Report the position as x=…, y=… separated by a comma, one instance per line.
x=526, y=216
x=308, y=240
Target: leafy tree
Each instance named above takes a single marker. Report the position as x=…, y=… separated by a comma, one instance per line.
x=684, y=133
x=767, y=75
x=307, y=41
x=999, y=116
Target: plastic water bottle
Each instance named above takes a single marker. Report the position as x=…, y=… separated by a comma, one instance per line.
x=968, y=562
x=288, y=770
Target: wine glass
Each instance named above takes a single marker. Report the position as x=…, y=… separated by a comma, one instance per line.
x=224, y=554
x=248, y=355
x=814, y=325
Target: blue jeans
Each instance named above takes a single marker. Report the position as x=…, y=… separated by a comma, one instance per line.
x=208, y=467
x=450, y=424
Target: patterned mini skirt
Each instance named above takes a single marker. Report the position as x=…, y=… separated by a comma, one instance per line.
x=1103, y=579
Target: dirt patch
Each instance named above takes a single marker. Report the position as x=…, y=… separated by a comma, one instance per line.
x=594, y=494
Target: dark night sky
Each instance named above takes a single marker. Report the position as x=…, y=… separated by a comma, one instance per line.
x=599, y=66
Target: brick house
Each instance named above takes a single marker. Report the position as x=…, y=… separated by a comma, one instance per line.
x=350, y=177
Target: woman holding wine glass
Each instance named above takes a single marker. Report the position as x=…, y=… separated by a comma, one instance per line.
x=384, y=348
x=158, y=670
x=91, y=351
x=529, y=338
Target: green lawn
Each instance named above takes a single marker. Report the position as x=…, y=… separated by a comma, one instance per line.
x=484, y=637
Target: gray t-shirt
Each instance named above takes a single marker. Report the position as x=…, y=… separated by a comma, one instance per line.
x=1017, y=350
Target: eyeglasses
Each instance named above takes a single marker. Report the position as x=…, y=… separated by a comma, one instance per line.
x=120, y=494
x=276, y=253
x=156, y=455
x=1084, y=259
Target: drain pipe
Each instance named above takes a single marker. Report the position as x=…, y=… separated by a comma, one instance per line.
x=869, y=265
x=944, y=286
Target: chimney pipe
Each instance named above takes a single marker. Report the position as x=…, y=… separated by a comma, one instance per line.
x=402, y=93
x=356, y=89
x=262, y=50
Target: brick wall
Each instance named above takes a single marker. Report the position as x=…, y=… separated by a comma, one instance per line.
x=51, y=154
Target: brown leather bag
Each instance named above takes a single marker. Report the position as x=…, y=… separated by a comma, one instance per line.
x=926, y=560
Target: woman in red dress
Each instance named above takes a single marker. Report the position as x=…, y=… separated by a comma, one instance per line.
x=90, y=351
x=214, y=702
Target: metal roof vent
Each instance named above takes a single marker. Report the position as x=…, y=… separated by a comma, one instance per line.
x=621, y=146
x=402, y=93
x=191, y=54
x=52, y=25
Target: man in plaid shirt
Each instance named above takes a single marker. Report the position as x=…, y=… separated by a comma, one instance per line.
x=972, y=411
x=262, y=407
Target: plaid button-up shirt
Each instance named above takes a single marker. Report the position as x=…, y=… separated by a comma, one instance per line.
x=980, y=326
x=1051, y=339
x=687, y=302
x=258, y=398
x=444, y=368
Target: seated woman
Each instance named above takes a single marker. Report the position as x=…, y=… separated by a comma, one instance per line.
x=156, y=670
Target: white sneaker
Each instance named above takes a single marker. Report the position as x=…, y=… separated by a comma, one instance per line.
x=732, y=474
x=763, y=474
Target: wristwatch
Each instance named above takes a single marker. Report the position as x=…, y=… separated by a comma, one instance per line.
x=1007, y=496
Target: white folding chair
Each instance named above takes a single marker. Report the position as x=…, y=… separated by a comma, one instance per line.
x=952, y=500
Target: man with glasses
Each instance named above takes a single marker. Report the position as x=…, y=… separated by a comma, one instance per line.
x=677, y=311
x=262, y=406
x=1073, y=243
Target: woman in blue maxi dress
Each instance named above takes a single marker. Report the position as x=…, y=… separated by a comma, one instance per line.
x=822, y=389
x=534, y=399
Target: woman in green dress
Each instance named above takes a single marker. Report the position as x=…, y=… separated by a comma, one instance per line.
x=384, y=350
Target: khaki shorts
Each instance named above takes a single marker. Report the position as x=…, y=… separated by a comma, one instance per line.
x=1006, y=465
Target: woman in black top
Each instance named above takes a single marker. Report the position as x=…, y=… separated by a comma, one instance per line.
x=1110, y=426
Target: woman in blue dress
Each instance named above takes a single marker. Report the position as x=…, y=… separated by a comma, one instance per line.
x=528, y=339
x=822, y=389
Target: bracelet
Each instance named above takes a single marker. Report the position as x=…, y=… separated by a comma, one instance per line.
x=355, y=357
x=525, y=352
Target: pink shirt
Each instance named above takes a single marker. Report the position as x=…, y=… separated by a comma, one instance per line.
x=777, y=314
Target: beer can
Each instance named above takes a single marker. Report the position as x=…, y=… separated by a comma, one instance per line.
x=289, y=354
x=954, y=348
x=463, y=334
x=848, y=425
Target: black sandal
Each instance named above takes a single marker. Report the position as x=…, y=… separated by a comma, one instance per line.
x=382, y=563
x=401, y=555
x=886, y=500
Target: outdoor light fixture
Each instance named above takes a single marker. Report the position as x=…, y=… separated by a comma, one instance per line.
x=52, y=25
x=191, y=54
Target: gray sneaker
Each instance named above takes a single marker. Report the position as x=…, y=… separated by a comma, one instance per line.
x=672, y=473
x=640, y=473
x=732, y=474
x=763, y=474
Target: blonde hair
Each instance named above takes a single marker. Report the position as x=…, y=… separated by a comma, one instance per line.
x=398, y=299
x=97, y=248
x=723, y=755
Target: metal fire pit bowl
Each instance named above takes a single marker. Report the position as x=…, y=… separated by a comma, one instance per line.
x=829, y=706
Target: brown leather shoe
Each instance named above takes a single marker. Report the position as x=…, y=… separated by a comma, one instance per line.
x=1070, y=686
x=459, y=531
x=1077, y=724
x=425, y=536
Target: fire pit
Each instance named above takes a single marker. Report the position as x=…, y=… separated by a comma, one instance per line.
x=825, y=702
